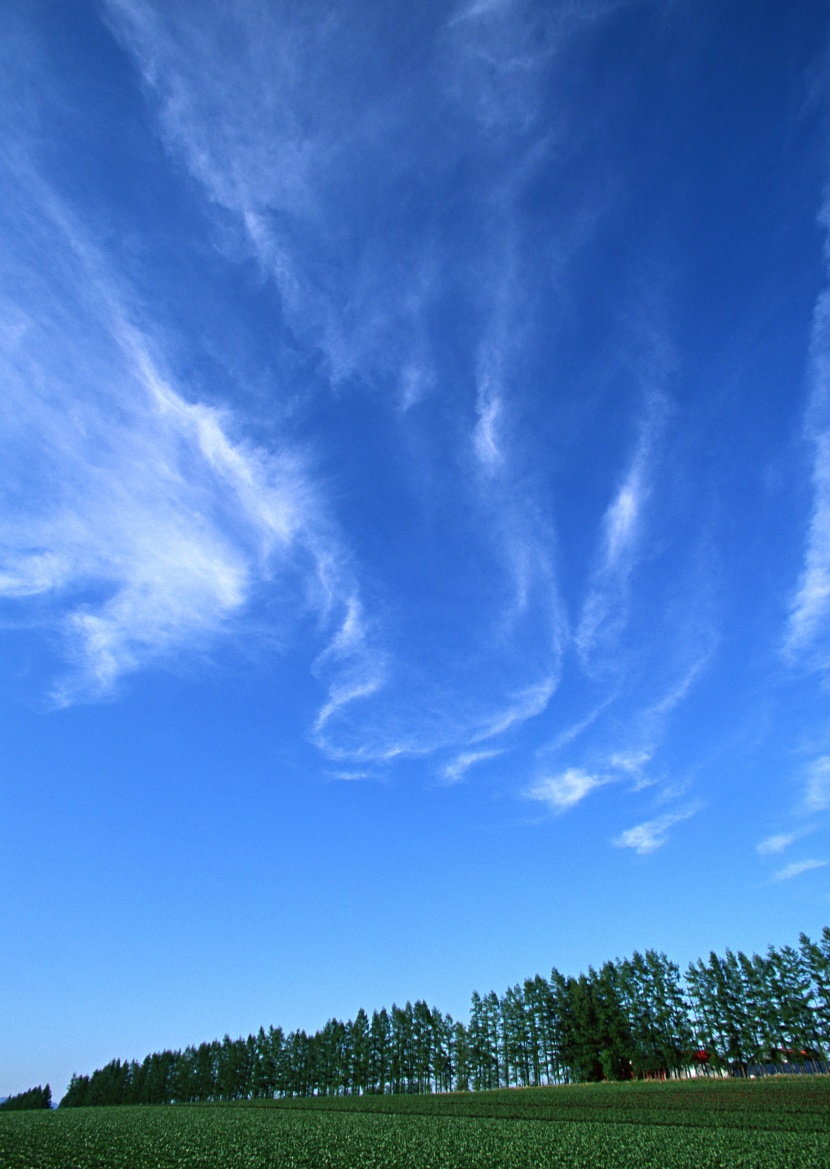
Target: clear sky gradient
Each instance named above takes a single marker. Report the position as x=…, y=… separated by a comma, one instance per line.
x=414, y=503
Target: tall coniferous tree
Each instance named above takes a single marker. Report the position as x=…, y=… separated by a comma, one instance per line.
x=614, y=1028
x=380, y=1053
x=443, y=1053
x=653, y=1001
x=816, y=959
x=561, y=991
x=791, y=1001
x=476, y=1043
x=548, y=1004
x=763, y=1031
x=534, y=1024
x=358, y=1041
x=462, y=1066
x=543, y=1027
x=493, y=1040
x=422, y=1047
x=582, y=1038
x=725, y=1027
x=516, y=1026
x=402, y=1053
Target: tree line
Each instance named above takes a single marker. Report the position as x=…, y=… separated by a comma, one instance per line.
x=636, y=1018
x=35, y=1098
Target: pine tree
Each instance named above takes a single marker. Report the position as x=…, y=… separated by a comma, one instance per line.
x=816, y=959
x=658, y=1015
x=461, y=1058
x=477, y=1044
x=380, y=1036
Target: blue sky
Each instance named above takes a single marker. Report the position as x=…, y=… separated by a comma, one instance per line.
x=414, y=504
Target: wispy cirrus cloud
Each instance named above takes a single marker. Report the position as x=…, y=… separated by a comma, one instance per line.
x=808, y=622
x=648, y=725
x=521, y=706
x=295, y=156
x=780, y=841
x=798, y=868
x=360, y=674
x=564, y=790
x=634, y=748
x=486, y=435
x=566, y=787
x=807, y=633
x=456, y=769
x=280, y=136
x=148, y=521
x=647, y=837
x=631, y=762
x=604, y=609
x=285, y=135
x=658, y=711
x=577, y=729
x=517, y=522
x=505, y=46
x=817, y=785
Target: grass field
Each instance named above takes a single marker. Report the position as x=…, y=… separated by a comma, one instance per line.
x=776, y=1122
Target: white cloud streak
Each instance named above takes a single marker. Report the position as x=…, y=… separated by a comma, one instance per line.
x=501, y=48
x=798, y=868
x=647, y=837
x=493, y=361
x=808, y=625
x=771, y=845
x=366, y=673
x=275, y=139
x=527, y=704
x=680, y=689
x=147, y=520
x=577, y=729
x=817, y=786
x=456, y=770
x=603, y=611
x=809, y=614
x=631, y=762
x=566, y=789
x=518, y=528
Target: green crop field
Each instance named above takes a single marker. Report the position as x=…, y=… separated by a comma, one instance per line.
x=730, y=1125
